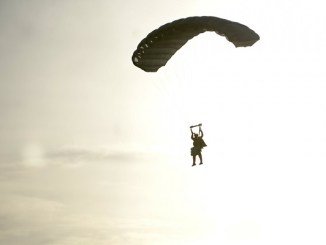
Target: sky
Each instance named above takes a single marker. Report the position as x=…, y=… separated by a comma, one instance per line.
x=96, y=151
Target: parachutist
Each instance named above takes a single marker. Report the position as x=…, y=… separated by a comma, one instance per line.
x=198, y=145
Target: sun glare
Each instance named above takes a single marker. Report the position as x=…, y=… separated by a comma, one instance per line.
x=191, y=78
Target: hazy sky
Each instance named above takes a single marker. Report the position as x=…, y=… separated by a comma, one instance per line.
x=96, y=151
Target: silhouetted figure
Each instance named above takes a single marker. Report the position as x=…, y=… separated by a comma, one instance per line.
x=198, y=145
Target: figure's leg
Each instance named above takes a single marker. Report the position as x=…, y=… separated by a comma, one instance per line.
x=193, y=160
x=200, y=158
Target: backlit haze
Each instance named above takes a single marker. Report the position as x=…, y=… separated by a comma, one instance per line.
x=96, y=151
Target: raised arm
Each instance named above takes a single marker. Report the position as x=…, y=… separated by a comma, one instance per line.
x=201, y=133
x=192, y=133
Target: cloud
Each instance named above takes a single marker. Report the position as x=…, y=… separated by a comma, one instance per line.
x=87, y=195
x=36, y=221
x=77, y=155
x=35, y=156
x=23, y=217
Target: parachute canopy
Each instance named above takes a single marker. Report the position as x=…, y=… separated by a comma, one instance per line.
x=155, y=50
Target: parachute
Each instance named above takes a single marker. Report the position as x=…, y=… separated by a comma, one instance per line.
x=155, y=50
